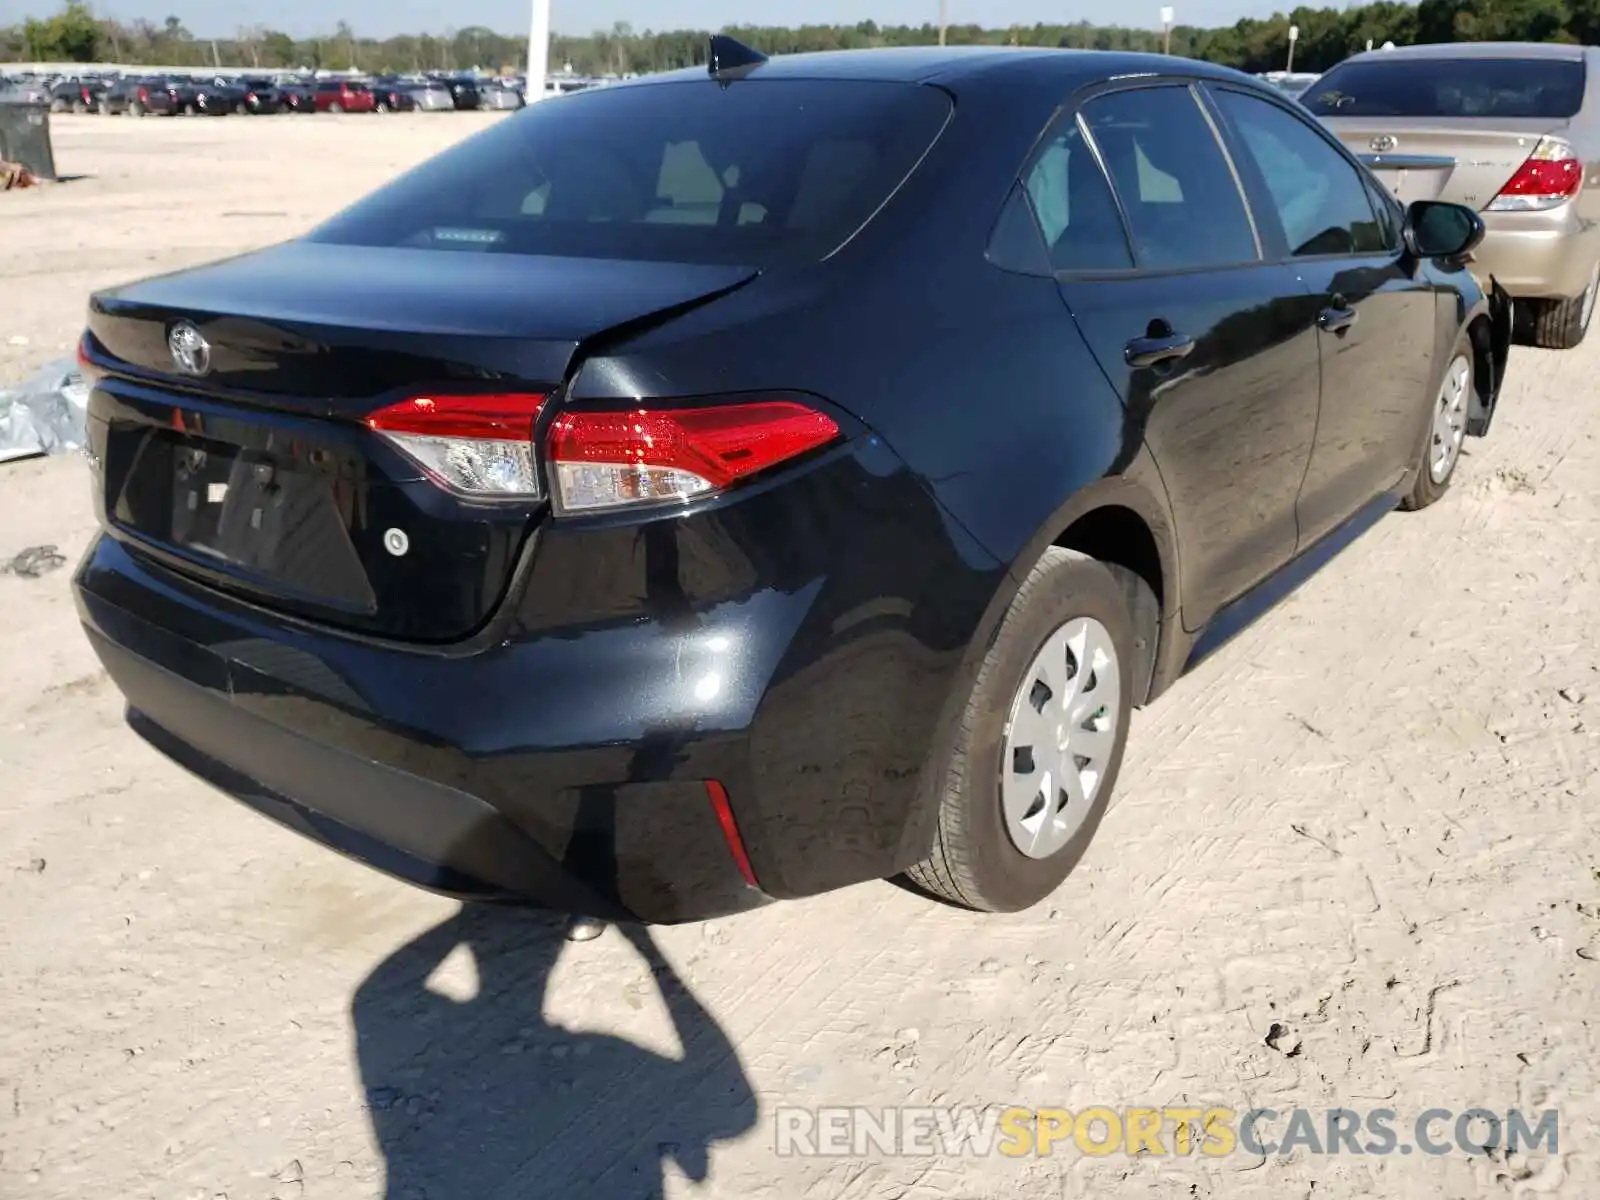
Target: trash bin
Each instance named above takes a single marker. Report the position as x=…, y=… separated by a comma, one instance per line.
x=25, y=136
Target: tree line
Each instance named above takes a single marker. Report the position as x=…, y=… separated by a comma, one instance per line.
x=1326, y=35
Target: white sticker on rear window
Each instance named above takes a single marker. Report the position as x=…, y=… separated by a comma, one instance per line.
x=477, y=237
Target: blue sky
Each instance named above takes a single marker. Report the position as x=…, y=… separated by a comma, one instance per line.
x=382, y=18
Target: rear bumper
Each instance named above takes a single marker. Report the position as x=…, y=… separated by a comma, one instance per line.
x=1537, y=255
x=797, y=647
x=274, y=727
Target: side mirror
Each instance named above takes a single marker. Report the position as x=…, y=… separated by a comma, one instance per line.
x=1436, y=229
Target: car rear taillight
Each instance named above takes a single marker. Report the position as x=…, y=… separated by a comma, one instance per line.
x=1551, y=176
x=604, y=460
x=481, y=445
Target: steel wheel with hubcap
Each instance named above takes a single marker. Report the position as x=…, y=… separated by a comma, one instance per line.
x=1450, y=419
x=1021, y=778
x=1059, y=737
x=1447, y=430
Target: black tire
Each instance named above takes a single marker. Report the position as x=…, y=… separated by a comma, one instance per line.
x=973, y=862
x=1563, y=324
x=1425, y=489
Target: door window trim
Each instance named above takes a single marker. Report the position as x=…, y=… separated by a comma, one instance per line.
x=1370, y=187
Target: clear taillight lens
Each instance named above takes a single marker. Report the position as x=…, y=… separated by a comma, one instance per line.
x=478, y=445
x=616, y=459
x=1550, y=177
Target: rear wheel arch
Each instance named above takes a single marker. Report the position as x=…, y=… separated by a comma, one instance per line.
x=1119, y=539
x=1123, y=522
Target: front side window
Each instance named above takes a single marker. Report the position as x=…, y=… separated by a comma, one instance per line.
x=1320, y=199
x=1183, y=204
x=763, y=172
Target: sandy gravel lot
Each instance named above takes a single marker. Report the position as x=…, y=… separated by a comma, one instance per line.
x=1371, y=822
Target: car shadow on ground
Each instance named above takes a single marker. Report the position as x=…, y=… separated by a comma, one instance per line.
x=473, y=1099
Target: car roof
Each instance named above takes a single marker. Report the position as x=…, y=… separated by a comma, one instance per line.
x=956, y=64
x=1553, y=51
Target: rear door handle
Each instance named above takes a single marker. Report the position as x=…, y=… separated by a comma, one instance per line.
x=1336, y=320
x=1148, y=351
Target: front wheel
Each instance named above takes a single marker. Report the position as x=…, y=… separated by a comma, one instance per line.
x=1025, y=777
x=1447, y=430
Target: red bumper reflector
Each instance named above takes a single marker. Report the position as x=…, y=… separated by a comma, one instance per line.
x=730, y=831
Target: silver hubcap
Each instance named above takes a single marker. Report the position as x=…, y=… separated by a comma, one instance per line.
x=1059, y=738
x=1588, y=297
x=1450, y=420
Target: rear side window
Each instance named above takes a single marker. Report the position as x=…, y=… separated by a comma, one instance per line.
x=1320, y=199
x=1184, y=207
x=1528, y=88
x=1074, y=205
x=755, y=174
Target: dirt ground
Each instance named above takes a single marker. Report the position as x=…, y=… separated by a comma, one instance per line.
x=1369, y=822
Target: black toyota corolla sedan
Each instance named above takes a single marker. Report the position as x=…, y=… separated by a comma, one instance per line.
x=745, y=482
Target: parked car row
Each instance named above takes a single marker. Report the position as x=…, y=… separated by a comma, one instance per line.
x=174, y=93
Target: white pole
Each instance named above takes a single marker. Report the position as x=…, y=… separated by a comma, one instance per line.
x=538, y=49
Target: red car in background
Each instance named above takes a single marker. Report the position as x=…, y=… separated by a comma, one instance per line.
x=341, y=95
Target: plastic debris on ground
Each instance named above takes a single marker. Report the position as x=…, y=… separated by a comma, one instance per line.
x=44, y=414
x=34, y=562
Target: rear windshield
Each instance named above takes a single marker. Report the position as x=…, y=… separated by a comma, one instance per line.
x=1547, y=89
x=757, y=173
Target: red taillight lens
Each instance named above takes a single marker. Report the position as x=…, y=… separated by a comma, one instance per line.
x=1551, y=176
x=605, y=460
x=481, y=445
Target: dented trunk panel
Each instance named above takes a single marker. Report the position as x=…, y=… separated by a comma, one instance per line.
x=245, y=464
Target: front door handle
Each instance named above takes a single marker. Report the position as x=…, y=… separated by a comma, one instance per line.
x=1149, y=351
x=1336, y=319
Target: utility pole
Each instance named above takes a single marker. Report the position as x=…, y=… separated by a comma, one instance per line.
x=1294, y=36
x=538, y=50
x=944, y=6
x=1166, y=31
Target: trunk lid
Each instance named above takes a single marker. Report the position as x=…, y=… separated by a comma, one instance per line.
x=257, y=475
x=1465, y=160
